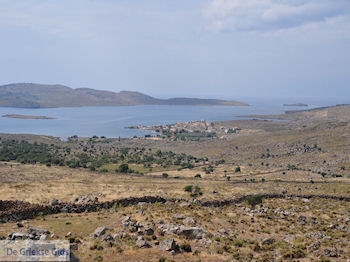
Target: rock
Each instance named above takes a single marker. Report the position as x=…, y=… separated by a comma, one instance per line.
x=332, y=252
x=305, y=200
x=319, y=235
x=347, y=221
x=313, y=247
x=142, y=243
x=297, y=188
x=189, y=221
x=100, y=231
x=43, y=237
x=268, y=241
x=167, y=244
x=20, y=236
x=302, y=220
x=74, y=246
x=18, y=224
x=223, y=231
x=185, y=204
x=190, y=232
x=148, y=231
x=332, y=226
x=132, y=229
x=313, y=220
x=108, y=238
x=55, y=202
x=69, y=234
x=126, y=219
x=214, y=192
x=284, y=191
x=178, y=217
x=37, y=231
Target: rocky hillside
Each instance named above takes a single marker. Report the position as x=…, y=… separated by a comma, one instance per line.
x=44, y=96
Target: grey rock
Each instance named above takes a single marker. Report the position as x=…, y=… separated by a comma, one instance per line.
x=149, y=231
x=142, y=243
x=43, y=237
x=20, y=236
x=100, y=231
x=178, y=217
x=268, y=241
x=332, y=252
x=223, y=231
x=185, y=204
x=108, y=237
x=167, y=244
x=189, y=221
x=190, y=232
x=37, y=231
x=74, y=246
x=55, y=202
x=313, y=247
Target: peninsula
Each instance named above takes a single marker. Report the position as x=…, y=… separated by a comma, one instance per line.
x=28, y=95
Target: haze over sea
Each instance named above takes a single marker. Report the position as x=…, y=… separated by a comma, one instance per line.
x=112, y=121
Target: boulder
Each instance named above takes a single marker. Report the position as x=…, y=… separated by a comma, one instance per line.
x=55, y=202
x=142, y=243
x=37, y=231
x=43, y=237
x=167, y=244
x=100, y=231
x=148, y=231
x=190, y=232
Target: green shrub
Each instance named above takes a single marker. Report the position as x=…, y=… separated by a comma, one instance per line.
x=165, y=175
x=188, y=188
x=254, y=200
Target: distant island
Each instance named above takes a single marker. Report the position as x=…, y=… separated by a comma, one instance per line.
x=296, y=104
x=28, y=95
x=27, y=117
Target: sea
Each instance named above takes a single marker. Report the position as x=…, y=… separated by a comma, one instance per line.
x=113, y=121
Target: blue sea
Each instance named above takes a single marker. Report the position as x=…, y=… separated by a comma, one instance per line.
x=112, y=121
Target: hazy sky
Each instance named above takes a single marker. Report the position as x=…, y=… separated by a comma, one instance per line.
x=203, y=48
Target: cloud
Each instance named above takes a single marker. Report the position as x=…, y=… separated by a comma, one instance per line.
x=271, y=15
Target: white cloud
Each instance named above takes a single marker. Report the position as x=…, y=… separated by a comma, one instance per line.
x=271, y=15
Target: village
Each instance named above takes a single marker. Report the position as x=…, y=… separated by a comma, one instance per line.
x=200, y=128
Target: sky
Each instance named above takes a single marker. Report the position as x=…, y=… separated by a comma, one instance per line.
x=166, y=48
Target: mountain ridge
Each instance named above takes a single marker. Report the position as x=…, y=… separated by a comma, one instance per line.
x=31, y=95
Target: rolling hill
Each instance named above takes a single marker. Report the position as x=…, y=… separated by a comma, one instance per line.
x=29, y=95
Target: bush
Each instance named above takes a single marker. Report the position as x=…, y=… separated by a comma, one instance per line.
x=198, y=176
x=165, y=175
x=188, y=188
x=238, y=169
x=254, y=200
x=186, y=247
x=123, y=168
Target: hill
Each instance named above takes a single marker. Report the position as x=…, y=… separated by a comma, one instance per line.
x=28, y=95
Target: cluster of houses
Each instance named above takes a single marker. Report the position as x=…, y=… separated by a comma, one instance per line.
x=201, y=126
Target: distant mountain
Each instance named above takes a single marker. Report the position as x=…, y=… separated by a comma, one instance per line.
x=28, y=95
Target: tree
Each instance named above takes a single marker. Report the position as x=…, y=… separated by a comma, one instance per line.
x=254, y=200
x=123, y=168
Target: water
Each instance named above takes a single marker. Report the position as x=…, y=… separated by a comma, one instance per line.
x=111, y=121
